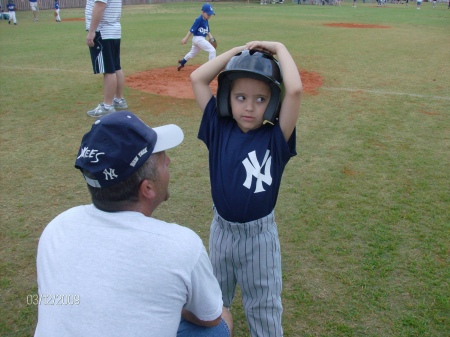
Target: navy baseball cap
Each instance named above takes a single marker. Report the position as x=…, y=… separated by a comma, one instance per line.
x=118, y=144
x=208, y=9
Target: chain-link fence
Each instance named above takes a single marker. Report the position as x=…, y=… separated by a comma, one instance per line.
x=24, y=5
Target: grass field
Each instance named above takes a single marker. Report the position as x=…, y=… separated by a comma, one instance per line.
x=364, y=209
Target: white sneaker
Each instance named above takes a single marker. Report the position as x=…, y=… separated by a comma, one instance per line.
x=120, y=103
x=101, y=110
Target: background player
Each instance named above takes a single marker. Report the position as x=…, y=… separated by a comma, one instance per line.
x=57, y=17
x=200, y=29
x=249, y=147
x=34, y=8
x=12, y=11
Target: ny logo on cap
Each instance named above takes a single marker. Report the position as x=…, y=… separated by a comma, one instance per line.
x=110, y=174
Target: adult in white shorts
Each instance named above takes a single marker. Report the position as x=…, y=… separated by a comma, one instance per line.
x=34, y=8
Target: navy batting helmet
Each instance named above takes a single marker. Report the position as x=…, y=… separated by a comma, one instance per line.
x=251, y=64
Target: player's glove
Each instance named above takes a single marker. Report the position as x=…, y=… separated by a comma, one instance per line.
x=213, y=42
x=55, y=13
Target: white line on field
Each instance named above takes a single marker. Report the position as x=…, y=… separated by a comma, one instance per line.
x=381, y=92
x=46, y=69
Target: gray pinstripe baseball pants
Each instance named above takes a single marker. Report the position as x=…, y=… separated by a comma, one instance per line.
x=248, y=254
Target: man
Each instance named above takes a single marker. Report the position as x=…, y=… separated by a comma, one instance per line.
x=103, y=38
x=34, y=8
x=110, y=268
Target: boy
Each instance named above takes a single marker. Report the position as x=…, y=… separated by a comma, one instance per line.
x=56, y=6
x=199, y=29
x=34, y=8
x=12, y=12
x=249, y=130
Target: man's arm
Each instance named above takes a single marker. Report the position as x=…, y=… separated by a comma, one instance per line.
x=226, y=316
x=204, y=306
x=190, y=317
x=97, y=15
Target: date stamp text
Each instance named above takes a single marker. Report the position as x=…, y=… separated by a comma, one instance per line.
x=53, y=299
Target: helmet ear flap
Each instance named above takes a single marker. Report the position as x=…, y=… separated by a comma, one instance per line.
x=223, y=97
x=273, y=108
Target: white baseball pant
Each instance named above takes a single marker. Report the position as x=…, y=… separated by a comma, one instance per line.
x=12, y=17
x=199, y=42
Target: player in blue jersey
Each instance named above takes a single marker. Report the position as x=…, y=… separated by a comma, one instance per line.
x=56, y=6
x=249, y=130
x=200, y=29
x=11, y=11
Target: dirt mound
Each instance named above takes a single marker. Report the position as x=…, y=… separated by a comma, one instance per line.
x=171, y=82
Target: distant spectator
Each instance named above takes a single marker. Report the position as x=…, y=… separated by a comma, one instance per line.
x=103, y=38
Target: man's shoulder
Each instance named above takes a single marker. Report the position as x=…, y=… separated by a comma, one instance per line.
x=177, y=231
x=70, y=213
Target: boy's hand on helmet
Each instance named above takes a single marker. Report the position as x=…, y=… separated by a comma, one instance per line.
x=265, y=46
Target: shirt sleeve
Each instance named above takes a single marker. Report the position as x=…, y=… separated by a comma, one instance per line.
x=195, y=26
x=204, y=294
x=206, y=125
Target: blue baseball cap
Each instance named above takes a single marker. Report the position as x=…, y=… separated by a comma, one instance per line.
x=208, y=9
x=118, y=144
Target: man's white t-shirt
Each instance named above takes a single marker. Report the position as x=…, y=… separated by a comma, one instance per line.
x=109, y=26
x=131, y=274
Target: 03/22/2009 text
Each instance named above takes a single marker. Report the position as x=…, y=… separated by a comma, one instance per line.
x=53, y=299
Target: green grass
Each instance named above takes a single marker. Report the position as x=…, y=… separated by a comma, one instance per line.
x=363, y=212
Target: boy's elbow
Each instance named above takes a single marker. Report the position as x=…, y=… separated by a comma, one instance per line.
x=194, y=77
x=295, y=91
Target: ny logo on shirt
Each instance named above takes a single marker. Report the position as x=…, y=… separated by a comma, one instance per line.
x=253, y=169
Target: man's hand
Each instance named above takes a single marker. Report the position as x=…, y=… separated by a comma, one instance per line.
x=90, y=39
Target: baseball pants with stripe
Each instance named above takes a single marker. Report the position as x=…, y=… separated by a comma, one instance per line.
x=248, y=254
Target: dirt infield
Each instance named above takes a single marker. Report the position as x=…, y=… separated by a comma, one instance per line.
x=170, y=82
x=74, y=19
x=354, y=25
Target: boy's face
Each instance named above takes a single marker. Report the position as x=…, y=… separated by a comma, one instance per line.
x=206, y=16
x=249, y=99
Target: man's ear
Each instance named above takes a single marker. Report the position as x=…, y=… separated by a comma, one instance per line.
x=147, y=189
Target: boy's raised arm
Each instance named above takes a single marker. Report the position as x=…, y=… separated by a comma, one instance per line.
x=205, y=74
x=290, y=107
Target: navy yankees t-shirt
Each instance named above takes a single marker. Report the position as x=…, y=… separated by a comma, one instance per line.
x=245, y=168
